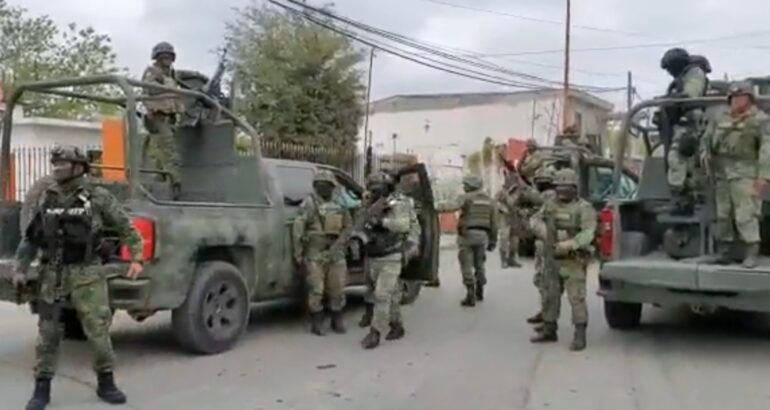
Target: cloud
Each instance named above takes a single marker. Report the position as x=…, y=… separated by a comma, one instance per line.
x=196, y=28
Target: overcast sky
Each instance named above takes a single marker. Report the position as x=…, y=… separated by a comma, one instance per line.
x=196, y=28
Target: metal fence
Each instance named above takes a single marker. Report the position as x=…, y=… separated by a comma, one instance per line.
x=28, y=164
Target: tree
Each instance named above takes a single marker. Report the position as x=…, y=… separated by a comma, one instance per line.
x=298, y=82
x=34, y=48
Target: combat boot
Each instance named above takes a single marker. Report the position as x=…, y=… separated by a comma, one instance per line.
x=316, y=324
x=579, y=340
x=41, y=396
x=514, y=264
x=480, y=293
x=752, y=252
x=337, y=323
x=470, y=297
x=538, y=318
x=108, y=391
x=371, y=340
x=435, y=283
x=366, y=319
x=396, y=331
x=546, y=335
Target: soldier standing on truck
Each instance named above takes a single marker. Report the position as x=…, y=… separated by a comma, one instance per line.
x=477, y=234
x=737, y=155
x=531, y=161
x=69, y=218
x=689, y=82
x=163, y=114
x=387, y=235
x=320, y=221
x=575, y=225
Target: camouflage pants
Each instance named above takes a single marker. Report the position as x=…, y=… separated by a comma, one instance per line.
x=326, y=279
x=385, y=273
x=91, y=301
x=681, y=170
x=160, y=148
x=738, y=210
x=472, y=260
x=572, y=279
x=537, y=279
x=509, y=244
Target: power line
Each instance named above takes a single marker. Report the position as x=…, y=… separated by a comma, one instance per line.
x=419, y=45
x=532, y=19
x=632, y=46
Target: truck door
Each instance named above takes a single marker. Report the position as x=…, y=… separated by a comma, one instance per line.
x=418, y=187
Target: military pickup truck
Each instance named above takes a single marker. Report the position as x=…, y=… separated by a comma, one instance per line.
x=653, y=256
x=214, y=249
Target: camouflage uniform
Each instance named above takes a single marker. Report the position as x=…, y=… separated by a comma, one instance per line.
x=318, y=224
x=738, y=151
x=508, y=241
x=67, y=217
x=532, y=161
x=162, y=116
x=534, y=200
x=385, y=250
x=575, y=223
x=477, y=233
x=690, y=82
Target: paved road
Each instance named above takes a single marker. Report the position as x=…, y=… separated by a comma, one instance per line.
x=452, y=358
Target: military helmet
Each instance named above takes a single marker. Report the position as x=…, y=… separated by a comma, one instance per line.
x=544, y=174
x=675, y=57
x=68, y=153
x=701, y=62
x=740, y=88
x=324, y=176
x=380, y=177
x=163, y=48
x=531, y=144
x=565, y=176
x=473, y=181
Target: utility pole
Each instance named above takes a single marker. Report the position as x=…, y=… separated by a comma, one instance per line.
x=367, y=136
x=630, y=92
x=532, y=125
x=565, y=106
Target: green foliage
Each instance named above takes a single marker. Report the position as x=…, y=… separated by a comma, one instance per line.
x=298, y=81
x=34, y=48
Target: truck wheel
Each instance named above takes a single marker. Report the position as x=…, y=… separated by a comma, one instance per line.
x=73, y=330
x=216, y=311
x=410, y=290
x=622, y=315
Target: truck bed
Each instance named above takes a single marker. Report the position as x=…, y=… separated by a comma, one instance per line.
x=656, y=278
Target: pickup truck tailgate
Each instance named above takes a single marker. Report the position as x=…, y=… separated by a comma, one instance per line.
x=655, y=269
x=735, y=278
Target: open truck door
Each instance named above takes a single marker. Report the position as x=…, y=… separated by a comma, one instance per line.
x=423, y=268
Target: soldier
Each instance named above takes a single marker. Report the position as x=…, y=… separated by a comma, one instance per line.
x=387, y=236
x=532, y=202
x=689, y=82
x=320, y=221
x=575, y=224
x=508, y=222
x=737, y=154
x=477, y=234
x=163, y=114
x=531, y=161
x=69, y=214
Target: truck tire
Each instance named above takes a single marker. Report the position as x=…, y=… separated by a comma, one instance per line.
x=622, y=315
x=216, y=311
x=73, y=330
x=410, y=290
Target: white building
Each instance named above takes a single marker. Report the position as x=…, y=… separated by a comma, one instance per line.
x=442, y=129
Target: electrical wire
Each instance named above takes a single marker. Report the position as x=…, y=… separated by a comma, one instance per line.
x=416, y=44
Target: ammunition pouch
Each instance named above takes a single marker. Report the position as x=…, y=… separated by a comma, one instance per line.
x=49, y=311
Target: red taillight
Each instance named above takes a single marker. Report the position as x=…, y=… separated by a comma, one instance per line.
x=146, y=229
x=606, y=233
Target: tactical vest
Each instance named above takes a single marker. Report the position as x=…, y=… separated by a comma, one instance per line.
x=567, y=219
x=476, y=213
x=329, y=218
x=169, y=105
x=67, y=223
x=384, y=242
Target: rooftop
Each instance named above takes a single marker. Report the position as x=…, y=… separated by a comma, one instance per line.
x=419, y=102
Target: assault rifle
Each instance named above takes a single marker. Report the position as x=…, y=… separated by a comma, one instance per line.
x=550, y=268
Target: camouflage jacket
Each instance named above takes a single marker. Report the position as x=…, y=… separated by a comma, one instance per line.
x=531, y=162
x=158, y=75
x=692, y=83
x=106, y=213
x=460, y=204
x=316, y=226
x=575, y=223
x=739, y=147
